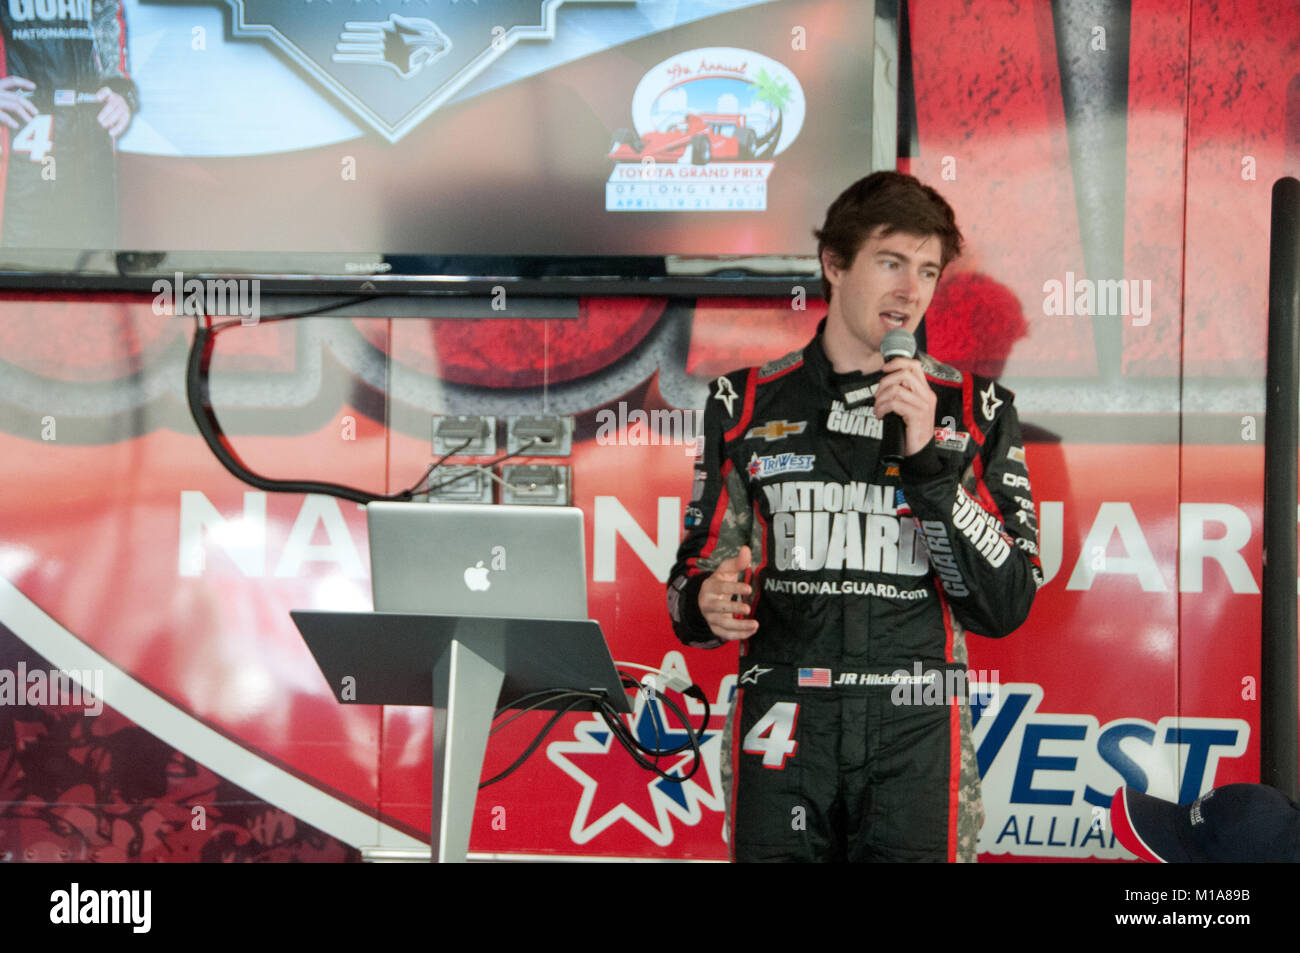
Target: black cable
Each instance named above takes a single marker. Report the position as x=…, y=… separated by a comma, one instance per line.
x=197, y=394
x=536, y=742
x=614, y=721
x=515, y=703
x=695, y=692
x=294, y=315
x=634, y=747
x=630, y=682
x=437, y=463
x=692, y=743
x=483, y=466
x=197, y=397
x=552, y=696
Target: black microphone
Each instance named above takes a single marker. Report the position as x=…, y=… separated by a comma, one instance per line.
x=893, y=442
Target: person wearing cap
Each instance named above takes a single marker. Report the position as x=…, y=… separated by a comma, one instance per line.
x=1235, y=823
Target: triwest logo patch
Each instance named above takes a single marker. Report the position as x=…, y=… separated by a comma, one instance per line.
x=761, y=467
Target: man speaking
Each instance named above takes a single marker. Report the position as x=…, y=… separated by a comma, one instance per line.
x=855, y=511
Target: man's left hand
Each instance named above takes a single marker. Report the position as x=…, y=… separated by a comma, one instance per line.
x=904, y=391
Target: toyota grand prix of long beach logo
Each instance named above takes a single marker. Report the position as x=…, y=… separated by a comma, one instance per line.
x=706, y=125
x=393, y=62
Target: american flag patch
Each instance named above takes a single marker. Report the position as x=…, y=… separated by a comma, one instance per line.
x=814, y=678
x=65, y=97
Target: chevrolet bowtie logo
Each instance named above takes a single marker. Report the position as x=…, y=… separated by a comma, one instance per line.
x=776, y=429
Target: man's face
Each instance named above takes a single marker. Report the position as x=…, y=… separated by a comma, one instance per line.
x=888, y=285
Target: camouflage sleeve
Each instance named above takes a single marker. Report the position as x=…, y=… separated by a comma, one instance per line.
x=981, y=532
x=718, y=519
x=109, y=23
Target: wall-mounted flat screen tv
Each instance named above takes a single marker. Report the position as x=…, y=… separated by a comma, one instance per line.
x=585, y=146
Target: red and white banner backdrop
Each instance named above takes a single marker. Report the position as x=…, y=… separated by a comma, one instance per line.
x=128, y=553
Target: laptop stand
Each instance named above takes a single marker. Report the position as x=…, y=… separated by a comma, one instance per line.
x=464, y=667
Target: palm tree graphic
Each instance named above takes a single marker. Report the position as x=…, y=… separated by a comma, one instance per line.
x=775, y=93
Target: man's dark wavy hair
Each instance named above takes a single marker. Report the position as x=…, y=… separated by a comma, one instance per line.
x=901, y=203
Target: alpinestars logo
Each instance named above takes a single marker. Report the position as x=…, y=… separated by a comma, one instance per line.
x=726, y=395
x=752, y=675
x=393, y=69
x=989, y=402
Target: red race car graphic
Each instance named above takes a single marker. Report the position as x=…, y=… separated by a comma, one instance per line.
x=707, y=136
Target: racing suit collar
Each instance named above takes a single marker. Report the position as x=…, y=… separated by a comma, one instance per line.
x=826, y=376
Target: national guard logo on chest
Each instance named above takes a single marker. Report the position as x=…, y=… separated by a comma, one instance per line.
x=776, y=430
x=841, y=526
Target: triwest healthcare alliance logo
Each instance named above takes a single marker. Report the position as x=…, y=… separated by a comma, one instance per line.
x=392, y=66
x=762, y=467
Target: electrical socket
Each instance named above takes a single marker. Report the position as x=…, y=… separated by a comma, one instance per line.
x=538, y=484
x=551, y=435
x=460, y=485
x=452, y=431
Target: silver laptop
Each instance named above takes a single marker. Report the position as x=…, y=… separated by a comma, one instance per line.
x=516, y=562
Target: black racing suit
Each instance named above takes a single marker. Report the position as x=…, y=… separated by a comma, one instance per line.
x=858, y=574
x=59, y=175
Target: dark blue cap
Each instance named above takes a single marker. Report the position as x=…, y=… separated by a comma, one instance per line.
x=1233, y=824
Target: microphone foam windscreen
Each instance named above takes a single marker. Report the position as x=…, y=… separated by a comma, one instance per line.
x=898, y=343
